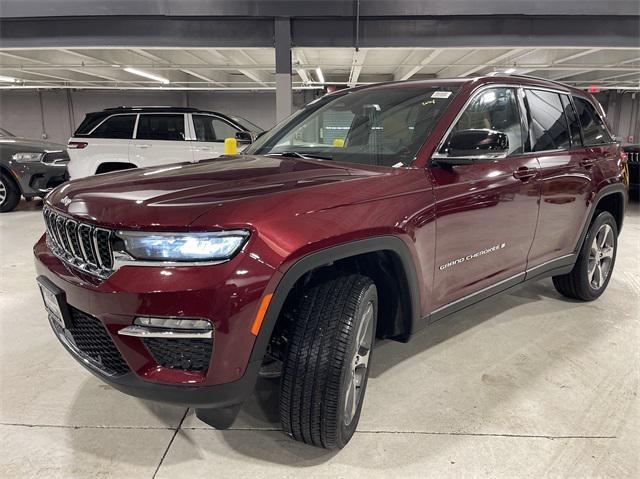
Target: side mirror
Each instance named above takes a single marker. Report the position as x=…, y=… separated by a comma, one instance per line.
x=244, y=136
x=465, y=146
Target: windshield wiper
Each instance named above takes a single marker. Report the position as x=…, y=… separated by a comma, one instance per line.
x=297, y=154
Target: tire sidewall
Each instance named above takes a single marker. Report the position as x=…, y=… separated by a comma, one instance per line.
x=603, y=218
x=12, y=194
x=346, y=431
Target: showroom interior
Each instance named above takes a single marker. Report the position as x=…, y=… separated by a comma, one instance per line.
x=523, y=384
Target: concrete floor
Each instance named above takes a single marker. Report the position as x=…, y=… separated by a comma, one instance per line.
x=525, y=385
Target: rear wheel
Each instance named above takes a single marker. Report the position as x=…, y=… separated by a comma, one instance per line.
x=592, y=271
x=9, y=194
x=326, y=364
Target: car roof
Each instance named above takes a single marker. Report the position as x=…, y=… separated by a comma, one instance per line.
x=480, y=80
x=147, y=108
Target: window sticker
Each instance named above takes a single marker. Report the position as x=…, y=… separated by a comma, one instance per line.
x=441, y=94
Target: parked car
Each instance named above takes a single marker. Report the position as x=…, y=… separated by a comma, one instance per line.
x=184, y=284
x=29, y=168
x=633, y=162
x=130, y=137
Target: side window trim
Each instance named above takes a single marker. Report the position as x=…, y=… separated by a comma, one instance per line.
x=224, y=120
x=605, y=127
x=515, y=89
x=185, y=124
x=104, y=120
x=575, y=112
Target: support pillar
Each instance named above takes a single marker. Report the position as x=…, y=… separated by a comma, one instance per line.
x=283, y=68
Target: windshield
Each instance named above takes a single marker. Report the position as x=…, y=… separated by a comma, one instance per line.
x=5, y=133
x=246, y=124
x=377, y=126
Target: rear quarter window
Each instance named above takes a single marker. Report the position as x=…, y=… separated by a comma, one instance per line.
x=593, y=130
x=118, y=126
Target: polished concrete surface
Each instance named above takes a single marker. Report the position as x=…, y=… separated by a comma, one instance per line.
x=524, y=385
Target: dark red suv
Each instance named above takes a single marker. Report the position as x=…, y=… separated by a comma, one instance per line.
x=372, y=212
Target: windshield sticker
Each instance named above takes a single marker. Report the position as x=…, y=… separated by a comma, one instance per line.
x=441, y=94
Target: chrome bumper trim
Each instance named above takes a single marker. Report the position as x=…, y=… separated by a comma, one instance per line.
x=144, y=332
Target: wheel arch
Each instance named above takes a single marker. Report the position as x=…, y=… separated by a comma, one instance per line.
x=395, y=249
x=111, y=166
x=612, y=198
x=9, y=174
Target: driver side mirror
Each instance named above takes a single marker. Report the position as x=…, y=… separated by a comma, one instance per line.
x=245, y=137
x=466, y=146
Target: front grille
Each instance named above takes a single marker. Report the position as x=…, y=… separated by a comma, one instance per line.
x=633, y=156
x=89, y=338
x=55, y=157
x=186, y=354
x=84, y=246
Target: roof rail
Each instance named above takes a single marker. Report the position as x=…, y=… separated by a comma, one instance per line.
x=532, y=77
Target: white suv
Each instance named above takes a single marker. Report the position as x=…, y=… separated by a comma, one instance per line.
x=130, y=137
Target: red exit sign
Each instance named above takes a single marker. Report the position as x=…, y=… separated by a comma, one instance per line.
x=593, y=89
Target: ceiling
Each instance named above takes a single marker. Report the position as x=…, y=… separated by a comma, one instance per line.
x=254, y=68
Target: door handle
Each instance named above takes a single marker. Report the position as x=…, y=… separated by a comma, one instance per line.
x=588, y=163
x=524, y=173
x=143, y=145
x=203, y=148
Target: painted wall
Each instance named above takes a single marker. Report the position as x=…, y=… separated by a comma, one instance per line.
x=63, y=110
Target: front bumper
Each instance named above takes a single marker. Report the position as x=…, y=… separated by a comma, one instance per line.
x=227, y=294
x=38, y=178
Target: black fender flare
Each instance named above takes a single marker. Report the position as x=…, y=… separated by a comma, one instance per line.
x=617, y=188
x=327, y=256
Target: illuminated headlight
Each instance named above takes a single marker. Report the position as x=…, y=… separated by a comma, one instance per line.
x=209, y=246
x=27, y=157
x=174, y=323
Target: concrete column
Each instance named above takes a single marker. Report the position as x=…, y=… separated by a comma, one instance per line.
x=283, y=67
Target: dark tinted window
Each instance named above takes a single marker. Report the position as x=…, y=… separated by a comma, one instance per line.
x=161, y=127
x=119, y=126
x=572, y=118
x=493, y=109
x=548, y=127
x=209, y=128
x=593, y=130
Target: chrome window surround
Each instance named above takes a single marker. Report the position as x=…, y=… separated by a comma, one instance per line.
x=90, y=261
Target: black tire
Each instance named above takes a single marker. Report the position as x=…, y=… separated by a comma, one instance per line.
x=577, y=284
x=9, y=193
x=321, y=358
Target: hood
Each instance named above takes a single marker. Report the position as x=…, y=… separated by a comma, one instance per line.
x=27, y=145
x=173, y=196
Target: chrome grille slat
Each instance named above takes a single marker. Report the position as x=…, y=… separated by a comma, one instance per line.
x=81, y=245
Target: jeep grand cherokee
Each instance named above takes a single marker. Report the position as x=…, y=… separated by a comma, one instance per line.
x=372, y=212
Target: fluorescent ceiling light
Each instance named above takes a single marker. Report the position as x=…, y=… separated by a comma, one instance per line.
x=509, y=71
x=8, y=79
x=150, y=76
x=320, y=75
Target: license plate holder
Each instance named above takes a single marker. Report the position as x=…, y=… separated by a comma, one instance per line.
x=55, y=302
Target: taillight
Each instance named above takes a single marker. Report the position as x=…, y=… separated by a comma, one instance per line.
x=77, y=145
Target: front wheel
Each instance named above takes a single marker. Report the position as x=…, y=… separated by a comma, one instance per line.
x=9, y=194
x=592, y=271
x=326, y=365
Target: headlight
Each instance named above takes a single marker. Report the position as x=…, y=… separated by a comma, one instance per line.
x=210, y=246
x=27, y=157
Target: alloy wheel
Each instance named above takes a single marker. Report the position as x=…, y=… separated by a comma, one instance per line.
x=3, y=192
x=601, y=256
x=358, y=365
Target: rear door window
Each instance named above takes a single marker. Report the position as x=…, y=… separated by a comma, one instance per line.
x=548, y=128
x=118, y=126
x=593, y=130
x=162, y=126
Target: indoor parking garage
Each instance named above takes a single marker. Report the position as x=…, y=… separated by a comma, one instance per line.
x=330, y=239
